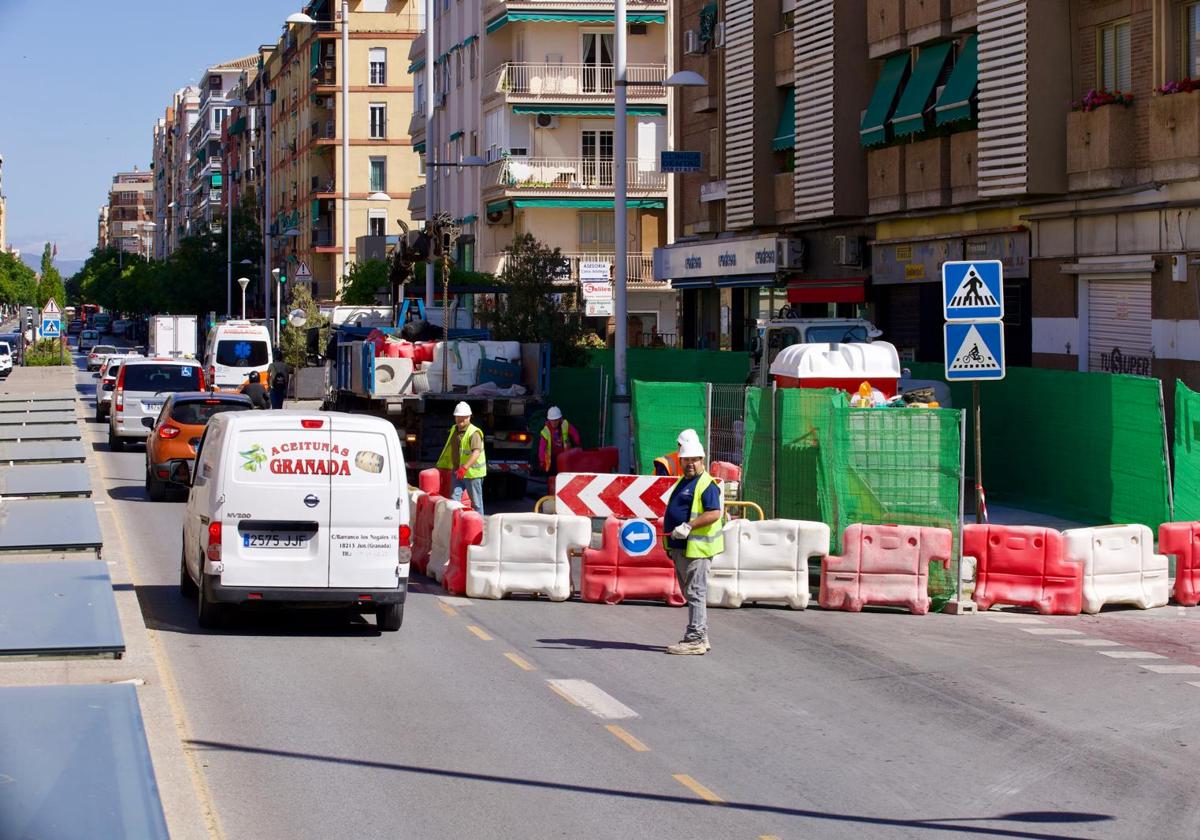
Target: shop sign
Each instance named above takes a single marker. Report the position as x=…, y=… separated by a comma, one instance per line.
x=1117, y=362
x=921, y=262
x=718, y=258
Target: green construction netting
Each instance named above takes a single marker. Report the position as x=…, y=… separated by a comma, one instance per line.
x=579, y=392
x=1084, y=446
x=758, y=449
x=1187, y=453
x=661, y=364
x=660, y=411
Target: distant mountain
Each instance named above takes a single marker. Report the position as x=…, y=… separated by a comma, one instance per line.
x=65, y=267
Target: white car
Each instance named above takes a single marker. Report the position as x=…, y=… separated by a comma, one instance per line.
x=297, y=507
x=88, y=339
x=97, y=355
x=106, y=386
x=141, y=391
x=6, y=361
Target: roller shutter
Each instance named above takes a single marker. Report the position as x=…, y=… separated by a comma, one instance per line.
x=1119, y=330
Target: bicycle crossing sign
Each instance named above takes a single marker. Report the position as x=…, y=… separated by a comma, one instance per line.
x=974, y=350
x=973, y=290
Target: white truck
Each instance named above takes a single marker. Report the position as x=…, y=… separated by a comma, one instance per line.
x=172, y=335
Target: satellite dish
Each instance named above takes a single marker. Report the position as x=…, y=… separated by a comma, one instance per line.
x=297, y=317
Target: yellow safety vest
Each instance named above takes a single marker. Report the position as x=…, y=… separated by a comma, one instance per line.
x=708, y=541
x=476, y=470
x=565, y=431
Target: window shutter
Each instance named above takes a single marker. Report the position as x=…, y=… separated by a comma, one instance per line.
x=1107, y=58
x=1124, y=75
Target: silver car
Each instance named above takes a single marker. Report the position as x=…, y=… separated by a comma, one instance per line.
x=106, y=385
x=141, y=390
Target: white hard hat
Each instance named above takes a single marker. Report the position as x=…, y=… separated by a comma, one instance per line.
x=462, y=410
x=687, y=434
x=691, y=448
x=555, y=413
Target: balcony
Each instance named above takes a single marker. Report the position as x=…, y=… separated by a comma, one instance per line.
x=492, y=8
x=785, y=198
x=885, y=179
x=1175, y=136
x=323, y=238
x=964, y=167
x=1101, y=146
x=535, y=82
x=885, y=27
x=785, y=58
x=926, y=20
x=639, y=268
x=416, y=203
x=927, y=173
x=590, y=177
x=964, y=15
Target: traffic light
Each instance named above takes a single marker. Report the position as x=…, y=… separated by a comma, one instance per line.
x=282, y=278
x=282, y=321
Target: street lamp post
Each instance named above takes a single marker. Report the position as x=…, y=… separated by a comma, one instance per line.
x=243, y=282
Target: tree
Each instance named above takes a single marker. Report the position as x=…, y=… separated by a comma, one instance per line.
x=364, y=281
x=294, y=340
x=18, y=283
x=50, y=285
x=534, y=306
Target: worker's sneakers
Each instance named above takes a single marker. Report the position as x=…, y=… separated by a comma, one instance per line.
x=690, y=647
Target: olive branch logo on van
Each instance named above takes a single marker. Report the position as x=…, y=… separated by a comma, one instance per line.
x=254, y=457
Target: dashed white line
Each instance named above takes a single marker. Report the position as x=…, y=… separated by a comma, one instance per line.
x=1051, y=631
x=1000, y=618
x=1172, y=669
x=1131, y=654
x=1090, y=642
x=594, y=699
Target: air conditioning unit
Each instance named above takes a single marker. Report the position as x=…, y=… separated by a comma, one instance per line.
x=847, y=250
x=500, y=217
x=546, y=121
x=329, y=64
x=719, y=34
x=691, y=42
x=791, y=257
x=638, y=29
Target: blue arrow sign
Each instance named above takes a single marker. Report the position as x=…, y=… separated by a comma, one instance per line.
x=50, y=329
x=637, y=537
x=973, y=290
x=974, y=350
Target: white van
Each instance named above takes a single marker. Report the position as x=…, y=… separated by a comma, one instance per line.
x=297, y=507
x=234, y=349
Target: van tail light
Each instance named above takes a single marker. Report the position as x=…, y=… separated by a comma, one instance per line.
x=405, y=536
x=311, y=424
x=212, y=374
x=213, y=551
x=168, y=432
x=119, y=400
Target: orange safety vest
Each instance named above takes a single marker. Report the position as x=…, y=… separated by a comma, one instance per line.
x=670, y=462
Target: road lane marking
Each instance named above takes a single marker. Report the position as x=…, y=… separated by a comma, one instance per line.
x=594, y=699
x=1197, y=684
x=447, y=609
x=767, y=837
x=1172, y=669
x=698, y=789
x=454, y=601
x=519, y=662
x=480, y=632
x=1091, y=642
x=1001, y=618
x=1051, y=631
x=1131, y=654
x=562, y=693
x=630, y=741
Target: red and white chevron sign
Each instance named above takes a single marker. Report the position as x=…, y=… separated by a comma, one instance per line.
x=622, y=496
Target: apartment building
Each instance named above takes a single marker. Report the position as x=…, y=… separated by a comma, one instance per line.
x=102, y=227
x=528, y=86
x=171, y=161
x=127, y=221
x=205, y=207
x=3, y=210
x=163, y=181
x=303, y=74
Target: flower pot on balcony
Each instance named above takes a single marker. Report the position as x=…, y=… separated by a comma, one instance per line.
x=885, y=27
x=1100, y=148
x=885, y=179
x=927, y=173
x=1175, y=136
x=926, y=20
x=964, y=167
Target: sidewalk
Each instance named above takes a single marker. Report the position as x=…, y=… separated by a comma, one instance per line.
x=1004, y=515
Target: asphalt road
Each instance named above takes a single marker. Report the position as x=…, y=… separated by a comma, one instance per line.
x=797, y=725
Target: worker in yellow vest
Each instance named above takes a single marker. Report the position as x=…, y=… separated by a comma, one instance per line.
x=463, y=456
x=693, y=522
x=669, y=464
x=557, y=437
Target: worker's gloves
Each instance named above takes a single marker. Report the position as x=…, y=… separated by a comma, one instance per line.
x=681, y=531
x=462, y=473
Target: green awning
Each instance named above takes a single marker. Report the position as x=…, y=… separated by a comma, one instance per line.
x=455, y=135
x=419, y=148
x=314, y=61
x=590, y=110
x=237, y=126
x=202, y=154
x=785, y=134
x=416, y=65
x=316, y=210
x=955, y=102
x=216, y=179
x=470, y=39
x=466, y=220
x=497, y=207
x=910, y=110
x=577, y=203
x=570, y=17
x=873, y=129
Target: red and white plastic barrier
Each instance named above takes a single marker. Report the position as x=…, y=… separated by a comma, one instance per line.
x=466, y=530
x=603, y=495
x=610, y=575
x=443, y=524
x=1183, y=540
x=884, y=565
x=1119, y=566
x=526, y=553
x=602, y=460
x=422, y=528
x=1023, y=566
x=766, y=562
x=438, y=482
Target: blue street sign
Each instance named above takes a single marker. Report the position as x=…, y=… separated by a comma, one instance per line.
x=974, y=350
x=50, y=329
x=637, y=537
x=680, y=161
x=973, y=290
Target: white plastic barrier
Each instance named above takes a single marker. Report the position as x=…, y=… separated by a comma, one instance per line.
x=439, y=554
x=507, y=350
x=463, y=360
x=1119, y=566
x=526, y=552
x=766, y=561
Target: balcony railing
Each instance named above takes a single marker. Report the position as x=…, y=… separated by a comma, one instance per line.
x=574, y=174
x=491, y=7
x=530, y=80
x=322, y=238
x=639, y=267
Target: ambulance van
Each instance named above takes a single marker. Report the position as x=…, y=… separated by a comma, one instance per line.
x=299, y=508
x=233, y=350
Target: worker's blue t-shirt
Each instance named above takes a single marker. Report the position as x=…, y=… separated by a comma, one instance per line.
x=679, y=506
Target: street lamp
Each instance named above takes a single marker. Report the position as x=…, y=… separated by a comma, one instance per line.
x=243, y=282
x=290, y=233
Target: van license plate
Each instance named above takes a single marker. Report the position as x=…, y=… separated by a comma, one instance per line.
x=274, y=540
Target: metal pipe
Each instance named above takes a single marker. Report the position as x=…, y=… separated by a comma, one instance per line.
x=430, y=149
x=621, y=432
x=225, y=188
x=345, y=70
x=268, y=101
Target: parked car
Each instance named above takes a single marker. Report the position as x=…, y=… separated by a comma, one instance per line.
x=74, y=327
x=87, y=340
x=300, y=508
x=175, y=433
x=140, y=392
x=6, y=360
x=106, y=386
x=97, y=355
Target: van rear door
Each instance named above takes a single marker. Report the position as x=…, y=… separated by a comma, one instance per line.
x=277, y=501
x=365, y=513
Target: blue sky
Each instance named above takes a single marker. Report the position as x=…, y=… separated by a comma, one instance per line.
x=81, y=84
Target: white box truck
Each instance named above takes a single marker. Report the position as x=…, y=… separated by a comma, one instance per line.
x=172, y=335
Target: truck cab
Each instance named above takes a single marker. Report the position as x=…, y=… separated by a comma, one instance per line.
x=777, y=334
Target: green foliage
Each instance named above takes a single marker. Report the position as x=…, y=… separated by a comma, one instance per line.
x=363, y=281
x=50, y=286
x=18, y=282
x=48, y=352
x=534, y=307
x=294, y=340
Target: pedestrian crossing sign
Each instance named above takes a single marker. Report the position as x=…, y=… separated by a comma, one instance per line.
x=50, y=329
x=974, y=350
x=973, y=290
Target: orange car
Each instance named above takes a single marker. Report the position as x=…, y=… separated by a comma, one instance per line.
x=176, y=432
